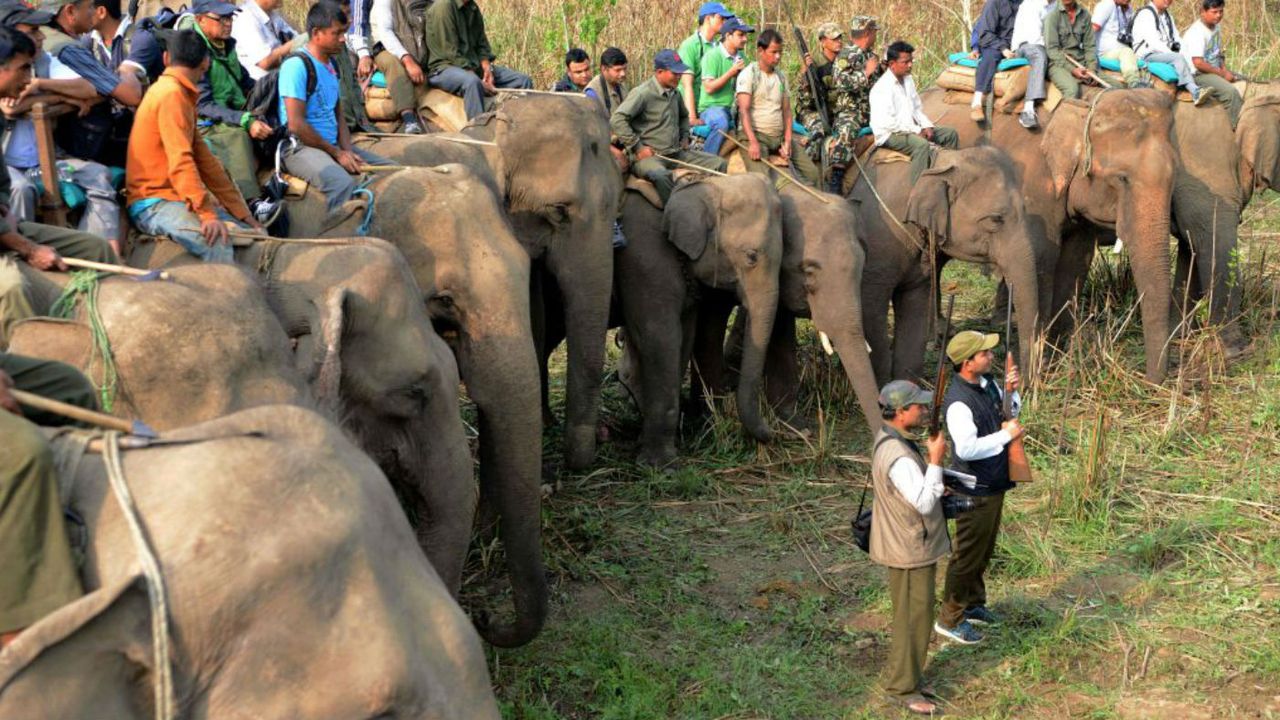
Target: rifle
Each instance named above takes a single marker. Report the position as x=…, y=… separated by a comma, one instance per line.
x=811, y=77
x=1019, y=468
x=940, y=381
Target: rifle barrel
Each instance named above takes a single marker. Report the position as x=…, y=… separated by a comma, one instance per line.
x=940, y=380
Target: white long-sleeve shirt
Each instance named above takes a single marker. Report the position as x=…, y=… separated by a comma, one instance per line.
x=921, y=489
x=382, y=23
x=1028, y=24
x=257, y=33
x=1150, y=36
x=964, y=433
x=896, y=107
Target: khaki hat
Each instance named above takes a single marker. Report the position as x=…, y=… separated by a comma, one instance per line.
x=969, y=343
x=862, y=22
x=899, y=394
x=829, y=30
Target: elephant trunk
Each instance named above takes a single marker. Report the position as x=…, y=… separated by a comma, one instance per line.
x=762, y=306
x=840, y=317
x=1018, y=268
x=502, y=379
x=1143, y=224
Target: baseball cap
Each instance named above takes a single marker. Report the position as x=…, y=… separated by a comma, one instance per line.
x=713, y=8
x=733, y=24
x=969, y=343
x=829, y=30
x=863, y=22
x=13, y=12
x=669, y=60
x=220, y=8
x=899, y=394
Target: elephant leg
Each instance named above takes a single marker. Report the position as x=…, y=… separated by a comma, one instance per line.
x=538, y=322
x=782, y=369
x=1068, y=277
x=875, y=323
x=1186, y=281
x=585, y=281
x=999, y=303
x=707, y=371
x=909, y=337
x=733, y=350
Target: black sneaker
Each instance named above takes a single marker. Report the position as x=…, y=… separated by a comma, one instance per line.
x=963, y=633
x=980, y=615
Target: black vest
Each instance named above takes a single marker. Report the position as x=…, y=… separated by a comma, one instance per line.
x=992, y=472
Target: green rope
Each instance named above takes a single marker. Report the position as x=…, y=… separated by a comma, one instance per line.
x=84, y=288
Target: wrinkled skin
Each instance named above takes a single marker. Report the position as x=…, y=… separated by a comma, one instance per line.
x=296, y=524
x=820, y=278
x=467, y=263
x=718, y=234
x=970, y=204
x=1069, y=203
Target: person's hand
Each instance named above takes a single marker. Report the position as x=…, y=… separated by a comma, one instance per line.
x=753, y=149
x=1007, y=53
x=695, y=121
x=974, y=54
x=414, y=70
x=1079, y=73
x=7, y=400
x=937, y=449
x=84, y=106
x=785, y=151
x=486, y=80
x=620, y=158
x=349, y=161
x=738, y=65
x=808, y=61
x=873, y=62
x=1229, y=76
x=1014, y=427
x=644, y=153
x=43, y=257
x=927, y=134
x=259, y=130
x=254, y=225
x=365, y=68
x=214, y=232
x=1012, y=377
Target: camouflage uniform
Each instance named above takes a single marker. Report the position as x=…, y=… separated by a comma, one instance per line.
x=806, y=109
x=848, y=98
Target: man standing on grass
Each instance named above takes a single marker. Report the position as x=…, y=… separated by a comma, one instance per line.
x=765, y=112
x=980, y=437
x=908, y=535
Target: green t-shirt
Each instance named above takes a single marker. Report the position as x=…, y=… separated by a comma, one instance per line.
x=714, y=64
x=691, y=52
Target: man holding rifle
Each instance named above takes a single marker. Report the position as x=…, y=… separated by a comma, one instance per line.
x=980, y=437
x=856, y=69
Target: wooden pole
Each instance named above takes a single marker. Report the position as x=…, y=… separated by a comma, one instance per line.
x=784, y=176
x=384, y=168
x=75, y=412
x=1092, y=75
x=117, y=269
x=429, y=136
x=691, y=166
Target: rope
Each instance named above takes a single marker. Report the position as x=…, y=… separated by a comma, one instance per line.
x=911, y=237
x=1088, y=121
x=363, y=190
x=163, y=685
x=83, y=288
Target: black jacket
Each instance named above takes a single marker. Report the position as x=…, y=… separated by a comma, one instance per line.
x=996, y=23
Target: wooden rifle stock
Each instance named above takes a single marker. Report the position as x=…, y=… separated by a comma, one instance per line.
x=1019, y=467
x=940, y=380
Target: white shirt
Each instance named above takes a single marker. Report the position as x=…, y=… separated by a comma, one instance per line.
x=382, y=25
x=896, y=107
x=922, y=490
x=1028, y=24
x=257, y=33
x=964, y=433
x=1111, y=20
x=1200, y=42
x=1150, y=36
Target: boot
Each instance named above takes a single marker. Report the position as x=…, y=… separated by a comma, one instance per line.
x=835, y=181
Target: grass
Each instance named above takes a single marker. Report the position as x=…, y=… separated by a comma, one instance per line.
x=1139, y=575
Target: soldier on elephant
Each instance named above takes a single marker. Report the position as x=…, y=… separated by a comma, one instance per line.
x=830, y=43
x=898, y=121
x=980, y=437
x=765, y=112
x=1068, y=33
x=652, y=121
x=461, y=59
x=849, y=96
x=908, y=536
x=1202, y=47
x=383, y=39
x=38, y=571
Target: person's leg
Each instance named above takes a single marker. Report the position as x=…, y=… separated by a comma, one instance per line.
x=703, y=160
x=232, y=146
x=22, y=196
x=102, y=212
x=914, y=146
x=505, y=77
x=804, y=165
x=923, y=597
x=990, y=510
x=844, y=134
x=1186, y=78
x=173, y=220
x=946, y=137
x=398, y=83
x=69, y=243
x=464, y=83
x=656, y=172
x=1061, y=77
x=50, y=379
x=911, y=592
x=14, y=303
x=1128, y=64
x=371, y=158
x=323, y=173
x=1035, y=55
x=983, y=81
x=971, y=550
x=717, y=120
x=1224, y=92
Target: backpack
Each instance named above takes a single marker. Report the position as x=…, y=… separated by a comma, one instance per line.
x=264, y=101
x=861, y=523
x=1128, y=33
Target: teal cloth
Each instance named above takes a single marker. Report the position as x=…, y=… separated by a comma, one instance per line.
x=1164, y=71
x=73, y=196
x=964, y=60
x=378, y=80
x=117, y=178
x=702, y=131
x=140, y=206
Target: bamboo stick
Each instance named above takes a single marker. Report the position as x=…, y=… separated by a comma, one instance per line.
x=432, y=136
x=75, y=412
x=785, y=176
x=691, y=166
x=117, y=269
x=1088, y=72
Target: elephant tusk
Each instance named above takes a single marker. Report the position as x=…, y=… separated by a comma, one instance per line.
x=826, y=343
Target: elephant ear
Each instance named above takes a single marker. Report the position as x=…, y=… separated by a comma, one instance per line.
x=1063, y=145
x=88, y=659
x=689, y=219
x=66, y=341
x=1258, y=137
x=929, y=205
x=324, y=362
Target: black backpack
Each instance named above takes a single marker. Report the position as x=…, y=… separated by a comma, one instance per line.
x=264, y=102
x=861, y=523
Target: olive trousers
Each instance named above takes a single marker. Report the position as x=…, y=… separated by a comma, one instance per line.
x=14, y=303
x=971, y=549
x=912, y=594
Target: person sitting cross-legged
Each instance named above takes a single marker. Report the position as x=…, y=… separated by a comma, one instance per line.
x=324, y=155
x=460, y=57
x=176, y=186
x=898, y=121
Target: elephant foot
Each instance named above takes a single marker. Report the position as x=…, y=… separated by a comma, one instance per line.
x=661, y=458
x=580, y=447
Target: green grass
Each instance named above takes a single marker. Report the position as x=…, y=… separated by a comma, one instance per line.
x=1143, y=577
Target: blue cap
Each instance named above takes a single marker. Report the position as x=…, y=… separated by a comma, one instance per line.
x=713, y=8
x=734, y=24
x=669, y=60
x=220, y=8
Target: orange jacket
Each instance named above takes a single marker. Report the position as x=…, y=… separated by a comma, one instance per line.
x=169, y=160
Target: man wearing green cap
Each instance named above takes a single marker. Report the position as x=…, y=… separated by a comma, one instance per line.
x=980, y=437
x=908, y=535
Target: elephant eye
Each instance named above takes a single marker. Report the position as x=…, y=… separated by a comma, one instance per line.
x=595, y=148
x=752, y=257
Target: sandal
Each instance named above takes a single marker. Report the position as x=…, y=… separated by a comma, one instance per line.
x=918, y=704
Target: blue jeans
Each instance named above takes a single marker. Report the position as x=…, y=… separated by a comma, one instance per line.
x=1186, y=76
x=716, y=118
x=463, y=82
x=173, y=220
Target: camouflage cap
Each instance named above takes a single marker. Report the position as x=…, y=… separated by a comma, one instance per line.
x=829, y=30
x=899, y=394
x=862, y=22
x=969, y=343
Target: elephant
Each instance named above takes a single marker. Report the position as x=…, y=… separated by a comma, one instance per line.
x=551, y=165
x=1104, y=164
x=715, y=234
x=823, y=261
x=294, y=587
x=968, y=206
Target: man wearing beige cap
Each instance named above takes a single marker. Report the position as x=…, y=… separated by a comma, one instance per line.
x=830, y=42
x=980, y=437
